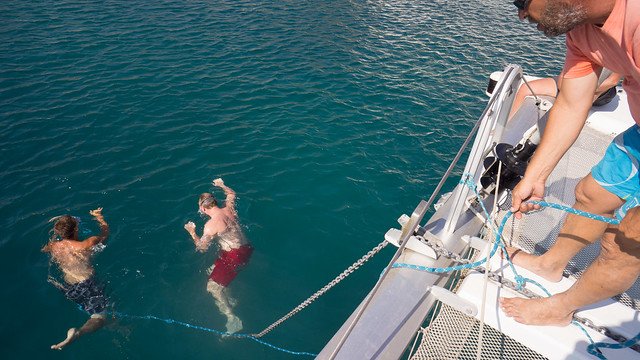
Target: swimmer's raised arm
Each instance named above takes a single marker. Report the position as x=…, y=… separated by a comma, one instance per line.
x=100, y=238
x=202, y=243
x=231, y=195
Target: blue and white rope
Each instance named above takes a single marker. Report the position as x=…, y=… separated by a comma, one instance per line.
x=172, y=321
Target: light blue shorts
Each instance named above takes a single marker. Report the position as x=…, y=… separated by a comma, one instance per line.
x=618, y=170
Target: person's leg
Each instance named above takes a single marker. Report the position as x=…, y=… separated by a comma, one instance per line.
x=614, y=270
x=546, y=86
x=216, y=290
x=94, y=323
x=234, y=324
x=576, y=233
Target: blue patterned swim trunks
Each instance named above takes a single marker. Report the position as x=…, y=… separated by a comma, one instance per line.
x=88, y=294
x=618, y=170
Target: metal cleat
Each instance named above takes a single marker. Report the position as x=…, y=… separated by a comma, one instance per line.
x=403, y=219
x=454, y=300
x=474, y=241
x=393, y=237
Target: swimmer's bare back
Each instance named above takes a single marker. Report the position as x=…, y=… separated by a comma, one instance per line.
x=232, y=239
x=74, y=261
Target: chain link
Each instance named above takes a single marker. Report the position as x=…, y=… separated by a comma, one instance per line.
x=492, y=275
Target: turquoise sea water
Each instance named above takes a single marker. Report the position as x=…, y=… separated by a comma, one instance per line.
x=329, y=118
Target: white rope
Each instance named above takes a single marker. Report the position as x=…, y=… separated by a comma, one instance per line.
x=486, y=273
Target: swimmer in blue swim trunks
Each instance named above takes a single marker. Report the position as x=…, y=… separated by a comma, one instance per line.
x=73, y=256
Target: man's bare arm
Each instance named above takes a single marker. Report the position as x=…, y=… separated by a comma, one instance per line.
x=230, y=201
x=565, y=122
x=102, y=237
x=608, y=83
x=201, y=243
x=612, y=80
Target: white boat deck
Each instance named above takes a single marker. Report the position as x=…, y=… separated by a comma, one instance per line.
x=537, y=232
x=554, y=342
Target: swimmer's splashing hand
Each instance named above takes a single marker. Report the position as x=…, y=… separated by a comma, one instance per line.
x=97, y=212
x=190, y=227
x=218, y=182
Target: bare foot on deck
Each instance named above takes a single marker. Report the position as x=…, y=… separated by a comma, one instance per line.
x=544, y=311
x=72, y=335
x=534, y=263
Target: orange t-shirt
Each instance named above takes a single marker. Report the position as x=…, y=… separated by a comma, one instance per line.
x=615, y=45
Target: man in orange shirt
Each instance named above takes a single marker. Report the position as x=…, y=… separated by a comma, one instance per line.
x=599, y=33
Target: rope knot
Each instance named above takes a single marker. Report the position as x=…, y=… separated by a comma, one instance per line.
x=467, y=180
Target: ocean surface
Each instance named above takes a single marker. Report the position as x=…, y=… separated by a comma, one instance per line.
x=329, y=119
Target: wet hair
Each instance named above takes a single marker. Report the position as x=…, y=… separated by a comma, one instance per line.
x=207, y=201
x=65, y=227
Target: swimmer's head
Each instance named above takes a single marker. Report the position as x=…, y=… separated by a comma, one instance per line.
x=66, y=227
x=207, y=201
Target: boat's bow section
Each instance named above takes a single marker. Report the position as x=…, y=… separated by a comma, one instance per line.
x=387, y=320
x=388, y=323
x=464, y=317
x=489, y=333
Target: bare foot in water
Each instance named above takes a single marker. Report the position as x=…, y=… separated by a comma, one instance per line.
x=544, y=311
x=72, y=335
x=234, y=324
x=534, y=263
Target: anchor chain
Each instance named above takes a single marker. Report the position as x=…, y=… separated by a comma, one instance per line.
x=441, y=250
x=326, y=288
x=605, y=331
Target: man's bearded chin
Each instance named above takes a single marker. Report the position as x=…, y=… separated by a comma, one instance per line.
x=559, y=17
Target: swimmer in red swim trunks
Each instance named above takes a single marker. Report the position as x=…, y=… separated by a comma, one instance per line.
x=235, y=251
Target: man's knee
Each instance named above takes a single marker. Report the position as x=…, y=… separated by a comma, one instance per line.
x=592, y=197
x=213, y=287
x=584, y=192
x=621, y=244
x=630, y=225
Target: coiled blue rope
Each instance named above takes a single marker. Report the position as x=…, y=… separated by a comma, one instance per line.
x=467, y=179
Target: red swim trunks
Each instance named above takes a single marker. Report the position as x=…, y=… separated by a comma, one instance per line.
x=229, y=263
